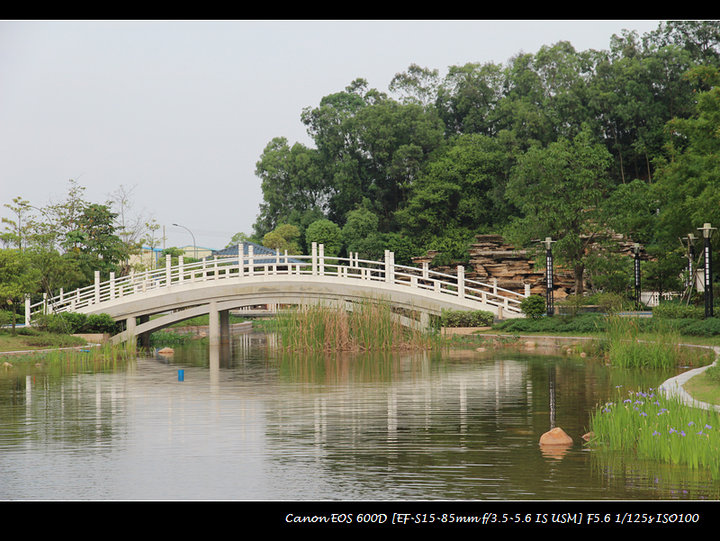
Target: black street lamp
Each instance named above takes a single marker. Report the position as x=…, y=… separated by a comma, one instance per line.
x=636, y=249
x=549, y=301
x=707, y=233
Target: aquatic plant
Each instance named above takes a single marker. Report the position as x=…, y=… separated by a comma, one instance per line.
x=660, y=348
x=659, y=428
x=369, y=326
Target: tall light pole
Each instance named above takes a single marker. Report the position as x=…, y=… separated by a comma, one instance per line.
x=691, y=261
x=636, y=249
x=549, y=301
x=193, y=238
x=707, y=233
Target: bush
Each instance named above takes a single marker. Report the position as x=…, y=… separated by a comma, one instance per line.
x=676, y=310
x=73, y=323
x=533, y=306
x=459, y=318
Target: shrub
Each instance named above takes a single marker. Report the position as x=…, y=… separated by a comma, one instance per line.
x=459, y=318
x=533, y=306
x=676, y=310
x=73, y=323
x=99, y=323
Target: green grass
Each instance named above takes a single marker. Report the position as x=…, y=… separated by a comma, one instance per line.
x=657, y=428
x=31, y=339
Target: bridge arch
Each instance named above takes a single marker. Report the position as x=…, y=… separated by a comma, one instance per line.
x=218, y=285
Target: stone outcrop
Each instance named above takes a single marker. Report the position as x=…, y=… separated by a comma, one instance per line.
x=491, y=258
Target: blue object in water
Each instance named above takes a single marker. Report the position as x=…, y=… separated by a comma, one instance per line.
x=181, y=375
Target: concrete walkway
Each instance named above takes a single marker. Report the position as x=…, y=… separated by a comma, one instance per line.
x=674, y=386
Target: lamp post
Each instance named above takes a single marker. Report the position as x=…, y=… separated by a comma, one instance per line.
x=549, y=301
x=707, y=233
x=193, y=238
x=636, y=249
x=691, y=260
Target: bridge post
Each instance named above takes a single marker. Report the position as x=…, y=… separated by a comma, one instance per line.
x=112, y=285
x=181, y=265
x=97, y=287
x=168, y=265
x=461, y=281
x=321, y=259
x=241, y=264
x=251, y=263
x=389, y=266
x=130, y=324
x=214, y=325
x=314, y=256
x=27, y=310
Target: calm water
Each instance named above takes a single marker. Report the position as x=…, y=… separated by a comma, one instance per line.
x=259, y=426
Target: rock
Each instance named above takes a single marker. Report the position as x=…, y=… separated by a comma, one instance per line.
x=7, y=365
x=530, y=345
x=556, y=436
x=481, y=350
x=588, y=436
x=166, y=351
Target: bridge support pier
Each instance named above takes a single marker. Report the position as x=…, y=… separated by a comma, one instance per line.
x=144, y=338
x=219, y=326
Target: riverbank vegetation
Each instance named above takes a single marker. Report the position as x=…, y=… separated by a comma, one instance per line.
x=369, y=326
x=658, y=428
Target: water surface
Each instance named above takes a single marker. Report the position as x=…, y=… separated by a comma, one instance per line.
x=263, y=426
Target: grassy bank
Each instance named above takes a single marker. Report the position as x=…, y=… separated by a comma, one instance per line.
x=32, y=339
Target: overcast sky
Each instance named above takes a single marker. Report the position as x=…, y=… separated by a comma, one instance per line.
x=180, y=111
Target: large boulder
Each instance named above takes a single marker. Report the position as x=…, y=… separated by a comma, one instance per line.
x=556, y=436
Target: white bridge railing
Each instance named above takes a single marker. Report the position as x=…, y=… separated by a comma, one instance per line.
x=315, y=267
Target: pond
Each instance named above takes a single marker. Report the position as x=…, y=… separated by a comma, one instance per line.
x=261, y=425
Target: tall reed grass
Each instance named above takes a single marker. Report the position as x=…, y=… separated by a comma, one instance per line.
x=660, y=348
x=370, y=326
x=659, y=428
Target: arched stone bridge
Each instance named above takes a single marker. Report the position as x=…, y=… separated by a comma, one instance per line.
x=176, y=293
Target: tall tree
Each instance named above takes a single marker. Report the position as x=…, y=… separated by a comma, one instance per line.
x=560, y=190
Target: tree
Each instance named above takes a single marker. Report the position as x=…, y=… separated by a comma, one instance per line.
x=283, y=237
x=560, y=189
x=325, y=232
x=462, y=188
x=360, y=233
x=291, y=183
x=18, y=278
x=17, y=230
x=94, y=242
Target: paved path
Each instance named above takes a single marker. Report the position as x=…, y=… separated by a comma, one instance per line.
x=674, y=386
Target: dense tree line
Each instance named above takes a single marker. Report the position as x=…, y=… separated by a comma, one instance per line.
x=561, y=143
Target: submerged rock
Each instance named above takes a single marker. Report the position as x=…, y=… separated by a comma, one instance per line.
x=556, y=436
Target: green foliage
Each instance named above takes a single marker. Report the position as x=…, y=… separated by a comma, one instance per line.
x=325, y=232
x=460, y=318
x=581, y=324
x=533, y=306
x=677, y=310
x=283, y=237
x=75, y=323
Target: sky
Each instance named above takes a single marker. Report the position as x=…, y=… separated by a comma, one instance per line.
x=178, y=112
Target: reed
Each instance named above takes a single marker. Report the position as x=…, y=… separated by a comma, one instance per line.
x=659, y=428
x=370, y=326
x=661, y=348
